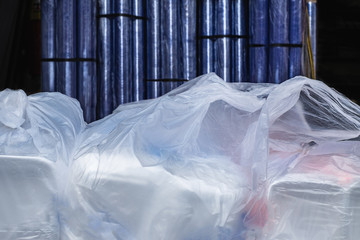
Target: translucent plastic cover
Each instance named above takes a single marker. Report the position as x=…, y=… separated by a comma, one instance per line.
x=208, y=160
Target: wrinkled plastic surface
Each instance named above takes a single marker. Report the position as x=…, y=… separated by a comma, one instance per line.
x=208, y=160
x=37, y=139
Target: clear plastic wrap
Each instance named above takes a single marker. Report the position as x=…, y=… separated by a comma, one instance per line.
x=37, y=139
x=208, y=160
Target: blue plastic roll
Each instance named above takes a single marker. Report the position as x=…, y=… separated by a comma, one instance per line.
x=258, y=21
x=105, y=104
x=138, y=52
x=279, y=21
x=296, y=37
x=295, y=61
x=240, y=45
x=240, y=56
x=207, y=29
x=295, y=12
x=170, y=44
x=223, y=44
x=278, y=67
x=66, y=78
x=313, y=29
x=122, y=53
x=153, y=48
x=279, y=34
x=188, y=39
x=222, y=50
x=258, y=39
x=48, y=44
x=258, y=64
x=86, y=20
x=87, y=89
x=66, y=46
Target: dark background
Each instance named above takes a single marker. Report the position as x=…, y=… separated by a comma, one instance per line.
x=338, y=63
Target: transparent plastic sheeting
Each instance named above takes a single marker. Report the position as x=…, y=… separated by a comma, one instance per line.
x=208, y=160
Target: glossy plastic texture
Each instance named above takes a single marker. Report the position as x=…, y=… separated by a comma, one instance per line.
x=208, y=160
x=38, y=136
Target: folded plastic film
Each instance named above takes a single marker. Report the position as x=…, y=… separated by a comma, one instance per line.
x=207, y=160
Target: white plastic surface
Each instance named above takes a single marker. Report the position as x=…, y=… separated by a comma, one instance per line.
x=209, y=160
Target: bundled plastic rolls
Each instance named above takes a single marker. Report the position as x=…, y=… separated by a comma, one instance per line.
x=208, y=160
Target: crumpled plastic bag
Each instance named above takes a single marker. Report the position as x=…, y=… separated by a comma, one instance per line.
x=37, y=139
x=216, y=160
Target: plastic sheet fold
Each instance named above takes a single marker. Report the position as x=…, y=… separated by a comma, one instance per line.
x=208, y=160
